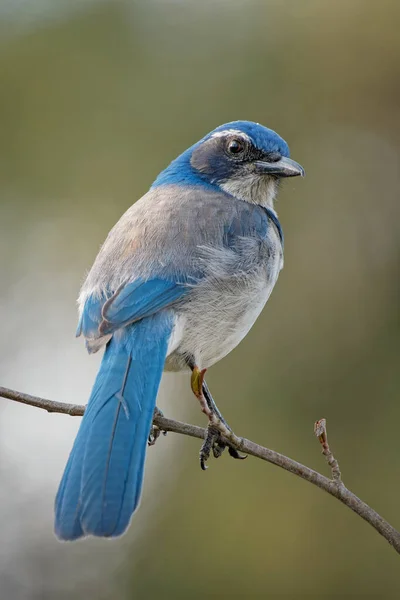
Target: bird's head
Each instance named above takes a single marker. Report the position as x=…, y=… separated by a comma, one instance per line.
x=242, y=158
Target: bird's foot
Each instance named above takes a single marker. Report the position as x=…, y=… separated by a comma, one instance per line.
x=218, y=431
x=155, y=431
x=217, y=439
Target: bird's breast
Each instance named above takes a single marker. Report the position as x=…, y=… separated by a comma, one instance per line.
x=220, y=311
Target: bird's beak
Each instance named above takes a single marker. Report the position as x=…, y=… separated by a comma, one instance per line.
x=285, y=167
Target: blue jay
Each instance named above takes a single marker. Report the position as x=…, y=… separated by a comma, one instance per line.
x=178, y=283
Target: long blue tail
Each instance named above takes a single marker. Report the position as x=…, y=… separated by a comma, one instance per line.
x=102, y=482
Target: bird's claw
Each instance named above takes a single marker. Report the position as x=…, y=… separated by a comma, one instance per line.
x=155, y=431
x=235, y=453
x=214, y=442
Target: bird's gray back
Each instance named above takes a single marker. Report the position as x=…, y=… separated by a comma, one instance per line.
x=164, y=234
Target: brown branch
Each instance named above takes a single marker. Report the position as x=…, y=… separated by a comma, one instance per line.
x=335, y=487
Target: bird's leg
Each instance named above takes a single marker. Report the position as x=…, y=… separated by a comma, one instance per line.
x=197, y=382
x=211, y=404
x=155, y=431
x=216, y=425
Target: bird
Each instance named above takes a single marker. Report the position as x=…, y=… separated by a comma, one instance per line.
x=178, y=283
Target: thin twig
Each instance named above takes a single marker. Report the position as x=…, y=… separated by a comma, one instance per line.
x=334, y=486
x=322, y=435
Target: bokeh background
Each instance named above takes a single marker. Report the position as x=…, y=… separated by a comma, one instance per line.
x=96, y=98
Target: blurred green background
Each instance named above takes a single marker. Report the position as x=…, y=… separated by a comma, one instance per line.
x=96, y=98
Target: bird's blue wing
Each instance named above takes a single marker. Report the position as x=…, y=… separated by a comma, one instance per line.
x=91, y=315
x=131, y=302
x=138, y=300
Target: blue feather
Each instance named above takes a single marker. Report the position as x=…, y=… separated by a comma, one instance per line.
x=134, y=301
x=264, y=138
x=102, y=482
x=137, y=300
x=276, y=222
x=181, y=171
x=91, y=316
x=252, y=221
x=249, y=221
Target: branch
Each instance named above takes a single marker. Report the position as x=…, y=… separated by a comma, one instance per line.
x=335, y=487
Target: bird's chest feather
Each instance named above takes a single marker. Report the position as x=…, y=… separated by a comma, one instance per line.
x=223, y=307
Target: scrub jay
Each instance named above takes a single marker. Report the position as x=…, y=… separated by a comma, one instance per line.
x=178, y=283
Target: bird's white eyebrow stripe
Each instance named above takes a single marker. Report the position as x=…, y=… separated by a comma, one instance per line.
x=237, y=132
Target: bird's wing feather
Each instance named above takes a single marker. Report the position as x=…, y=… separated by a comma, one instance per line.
x=130, y=303
x=137, y=300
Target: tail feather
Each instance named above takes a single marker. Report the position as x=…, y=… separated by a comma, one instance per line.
x=102, y=482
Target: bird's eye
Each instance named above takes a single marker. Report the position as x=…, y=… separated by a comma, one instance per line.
x=235, y=146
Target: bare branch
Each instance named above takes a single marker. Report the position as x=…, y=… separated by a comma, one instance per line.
x=335, y=487
x=74, y=410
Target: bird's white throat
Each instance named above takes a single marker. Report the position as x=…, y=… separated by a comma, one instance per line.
x=252, y=188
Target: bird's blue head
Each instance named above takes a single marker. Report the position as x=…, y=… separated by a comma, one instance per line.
x=242, y=158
